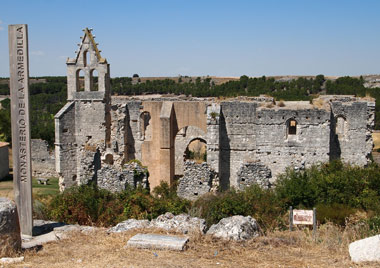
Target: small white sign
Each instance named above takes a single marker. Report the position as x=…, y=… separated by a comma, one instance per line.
x=303, y=217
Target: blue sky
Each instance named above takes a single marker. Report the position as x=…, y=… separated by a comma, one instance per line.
x=209, y=37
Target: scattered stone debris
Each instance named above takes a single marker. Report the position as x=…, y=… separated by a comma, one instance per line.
x=235, y=228
x=181, y=223
x=10, y=238
x=11, y=260
x=128, y=225
x=48, y=231
x=367, y=249
x=155, y=241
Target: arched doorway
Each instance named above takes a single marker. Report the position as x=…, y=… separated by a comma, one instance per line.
x=189, y=142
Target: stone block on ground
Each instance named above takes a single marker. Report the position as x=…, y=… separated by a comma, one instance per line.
x=367, y=249
x=237, y=228
x=181, y=223
x=9, y=228
x=155, y=241
x=129, y=224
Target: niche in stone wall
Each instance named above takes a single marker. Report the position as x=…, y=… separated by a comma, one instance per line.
x=340, y=127
x=145, y=127
x=291, y=128
x=80, y=80
x=85, y=58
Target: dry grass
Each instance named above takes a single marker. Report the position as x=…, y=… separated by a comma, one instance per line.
x=376, y=140
x=278, y=249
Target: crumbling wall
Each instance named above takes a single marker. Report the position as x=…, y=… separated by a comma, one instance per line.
x=352, y=122
x=258, y=131
x=254, y=173
x=43, y=161
x=238, y=132
x=65, y=146
x=91, y=137
x=114, y=180
x=198, y=179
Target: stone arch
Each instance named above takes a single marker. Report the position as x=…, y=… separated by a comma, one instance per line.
x=182, y=140
x=145, y=126
x=196, y=150
x=94, y=76
x=80, y=80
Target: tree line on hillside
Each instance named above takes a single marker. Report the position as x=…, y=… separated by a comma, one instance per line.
x=47, y=98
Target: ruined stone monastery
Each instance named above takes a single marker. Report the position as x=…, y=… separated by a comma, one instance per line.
x=249, y=140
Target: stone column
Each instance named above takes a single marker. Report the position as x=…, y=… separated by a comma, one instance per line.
x=19, y=87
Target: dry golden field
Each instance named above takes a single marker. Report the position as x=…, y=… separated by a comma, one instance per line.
x=376, y=140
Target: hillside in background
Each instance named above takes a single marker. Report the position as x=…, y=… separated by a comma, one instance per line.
x=48, y=94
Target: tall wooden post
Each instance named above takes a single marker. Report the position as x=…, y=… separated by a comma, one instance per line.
x=19, y=87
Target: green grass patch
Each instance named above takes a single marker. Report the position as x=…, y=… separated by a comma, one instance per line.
x=51, y=188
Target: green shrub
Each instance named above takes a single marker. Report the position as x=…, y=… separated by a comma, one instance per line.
x=89, y=205
x=374, y=224
x=336, y=213
x=253, y=201
x=331, y=183
x=85, y=205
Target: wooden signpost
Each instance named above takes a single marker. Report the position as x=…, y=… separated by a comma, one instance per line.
x=19, y=87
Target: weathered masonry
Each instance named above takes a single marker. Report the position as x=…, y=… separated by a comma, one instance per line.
x=249, y=140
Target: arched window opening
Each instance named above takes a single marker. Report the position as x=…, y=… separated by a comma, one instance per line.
x=145, y=131
x=80, y=80
x=94, y=80
x=85, y=58
x=196, y=150
x=292, y=127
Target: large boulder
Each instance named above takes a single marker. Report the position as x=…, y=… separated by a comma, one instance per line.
x=130, y=224
x=181, y=223
x=236, y=228
x=9, y=228
x=367, y=249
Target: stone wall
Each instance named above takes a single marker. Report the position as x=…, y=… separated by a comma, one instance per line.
x=4, y=160
x=258, y=131
x=254, y=173
x=198, y=179
x=132, y=175
x=43, y=161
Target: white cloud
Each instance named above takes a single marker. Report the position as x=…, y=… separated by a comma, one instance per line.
x=37, y=53
x=1, y=27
